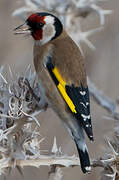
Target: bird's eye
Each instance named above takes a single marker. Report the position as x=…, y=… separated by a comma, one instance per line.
x=40, y=25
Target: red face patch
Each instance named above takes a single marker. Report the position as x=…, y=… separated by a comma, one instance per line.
x=36, y=18
x=38, y=35
x=34, y=22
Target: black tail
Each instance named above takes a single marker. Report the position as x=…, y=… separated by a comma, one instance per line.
x=85, y=122
x=84, y=157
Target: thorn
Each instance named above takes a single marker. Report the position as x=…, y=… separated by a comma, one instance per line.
x=101, y=12
x=10, y=71
x=112, y=176
x=20, y=170
x=112, y=148
x=84, y=37
x=3, y=79
x=32, y=117
x=29, y=7
x=31, y=4
x=1, y=69
x=54, y=147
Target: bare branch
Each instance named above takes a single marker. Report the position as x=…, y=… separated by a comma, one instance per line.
x=104, y=101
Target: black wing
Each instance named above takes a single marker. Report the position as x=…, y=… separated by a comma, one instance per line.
x=80, y=98
x=77, y=99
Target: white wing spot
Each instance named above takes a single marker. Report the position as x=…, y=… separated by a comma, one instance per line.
x=82, y=93
x=88, y=168
x=87, y=125
x=83, y=104
x=85, y=116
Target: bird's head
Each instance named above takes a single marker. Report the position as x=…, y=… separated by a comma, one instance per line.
x=43, y=27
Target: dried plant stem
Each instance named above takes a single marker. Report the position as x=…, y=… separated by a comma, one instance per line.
x=62, y=161
x=57, y=161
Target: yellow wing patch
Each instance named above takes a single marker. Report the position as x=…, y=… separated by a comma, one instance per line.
x=58, y=76
x=61, y=88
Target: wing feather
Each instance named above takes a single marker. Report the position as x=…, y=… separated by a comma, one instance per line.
x=77, y=98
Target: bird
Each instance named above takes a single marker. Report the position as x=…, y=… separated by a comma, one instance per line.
x=61, y=71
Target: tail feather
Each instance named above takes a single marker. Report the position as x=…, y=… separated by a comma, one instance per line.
x=84, y=157
x=88, y=129
x=85, y=122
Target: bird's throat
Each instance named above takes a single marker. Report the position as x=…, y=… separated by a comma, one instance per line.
x=38, y=35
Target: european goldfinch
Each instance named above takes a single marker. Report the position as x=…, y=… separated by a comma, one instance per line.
x=61, y=71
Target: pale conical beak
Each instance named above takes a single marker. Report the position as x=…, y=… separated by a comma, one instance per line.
x=22, y=29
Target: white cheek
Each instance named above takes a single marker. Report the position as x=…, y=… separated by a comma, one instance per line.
x=48, y=33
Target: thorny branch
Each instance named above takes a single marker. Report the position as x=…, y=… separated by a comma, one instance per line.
x=20, y=142
x=104, y=101
x=111, y=161
x=77, y=8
